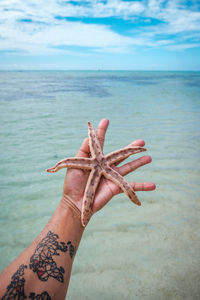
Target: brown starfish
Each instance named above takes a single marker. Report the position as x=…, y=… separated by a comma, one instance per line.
x=99, y=165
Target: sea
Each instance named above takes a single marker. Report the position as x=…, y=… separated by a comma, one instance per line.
x=127, y=252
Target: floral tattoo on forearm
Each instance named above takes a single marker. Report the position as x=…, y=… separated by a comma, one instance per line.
x=15, y=290
x=42, y=263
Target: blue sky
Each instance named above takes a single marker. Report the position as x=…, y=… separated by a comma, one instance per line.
x=91, y=34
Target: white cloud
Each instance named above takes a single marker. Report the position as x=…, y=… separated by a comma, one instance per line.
x=43, y=33
x=31, y=37
x=116, y=8
x=182, y=47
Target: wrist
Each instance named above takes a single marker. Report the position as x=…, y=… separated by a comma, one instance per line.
x=66, y=216
x=68, y=201
x=76, y=207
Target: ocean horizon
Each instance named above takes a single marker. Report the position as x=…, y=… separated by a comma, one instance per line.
x=94, y=70
x=127, y=252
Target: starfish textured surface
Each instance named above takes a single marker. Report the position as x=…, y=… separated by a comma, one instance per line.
x=99, y=165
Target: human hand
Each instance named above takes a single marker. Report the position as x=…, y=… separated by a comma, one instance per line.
x=76, y=179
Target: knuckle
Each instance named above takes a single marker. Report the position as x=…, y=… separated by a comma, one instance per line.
x=101, y=139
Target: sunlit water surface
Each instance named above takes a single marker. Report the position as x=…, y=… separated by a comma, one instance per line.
x=127, y=252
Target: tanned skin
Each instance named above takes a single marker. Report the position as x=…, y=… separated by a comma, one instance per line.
x=43, y=270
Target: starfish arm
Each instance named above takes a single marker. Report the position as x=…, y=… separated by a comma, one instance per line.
x=89, y=195
x=115, y=177
x=122, y=154
x=95, y=147
x=75, y=162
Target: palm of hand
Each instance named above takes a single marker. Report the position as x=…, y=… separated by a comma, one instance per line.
x=76, y=179
x=75, y=183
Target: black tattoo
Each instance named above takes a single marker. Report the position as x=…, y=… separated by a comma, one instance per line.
x=15, y=290
x=42, y=263
x=72, y=249
x=43, y=296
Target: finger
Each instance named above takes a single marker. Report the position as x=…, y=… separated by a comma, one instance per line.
x=84, y=149
x=143, y=186
x=113, y=189
x=137, y=186
x=101, y=131
x=132, y=166
x=139, y=143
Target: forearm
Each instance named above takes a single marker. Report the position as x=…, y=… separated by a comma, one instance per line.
x=45, y=266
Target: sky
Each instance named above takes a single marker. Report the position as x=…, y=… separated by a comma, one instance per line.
x=100, y=35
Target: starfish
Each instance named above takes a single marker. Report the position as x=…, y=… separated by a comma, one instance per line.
x=99, y=165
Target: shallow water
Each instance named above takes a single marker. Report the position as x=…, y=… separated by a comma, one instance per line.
x=127, y=252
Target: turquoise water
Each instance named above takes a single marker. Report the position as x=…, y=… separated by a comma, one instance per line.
x=128, y=252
